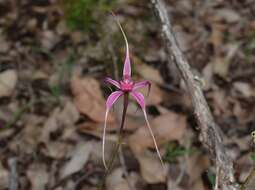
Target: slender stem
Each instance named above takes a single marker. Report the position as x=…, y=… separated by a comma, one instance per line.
x=125, y=105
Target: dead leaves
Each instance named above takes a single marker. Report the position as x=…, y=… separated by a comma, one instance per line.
x=228, y=15
x=115, y=180
x=218, y=36
x=4, y=177
x=88, y=98
x=151, y=168
x=79, y=156
x=149, y=73
x=38, y=175
x=8, y=80
x=60, y=121
x=166, y=127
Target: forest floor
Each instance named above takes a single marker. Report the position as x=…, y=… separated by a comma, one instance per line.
x=54, y=56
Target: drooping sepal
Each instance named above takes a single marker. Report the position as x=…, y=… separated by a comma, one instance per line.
x=113, y=98
x=139, y=98
x=127, y=64
x=142, y=84
x=153, y=137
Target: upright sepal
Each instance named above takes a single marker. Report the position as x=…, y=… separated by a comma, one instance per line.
x=127, y=64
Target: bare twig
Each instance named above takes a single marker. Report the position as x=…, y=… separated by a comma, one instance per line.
x=13, y=179
x=210, y=132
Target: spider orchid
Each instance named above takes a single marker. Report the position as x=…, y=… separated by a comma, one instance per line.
x=126, y=87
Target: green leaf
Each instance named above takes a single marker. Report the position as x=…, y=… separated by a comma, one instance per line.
x=211, y=177
x=79, y=14
x=253, y=156
x=173, y=151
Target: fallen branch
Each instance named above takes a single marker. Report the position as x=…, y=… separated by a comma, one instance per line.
x=13, y=179
x=210, y=132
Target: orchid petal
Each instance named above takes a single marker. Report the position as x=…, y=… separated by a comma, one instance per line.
x=153, y=137
x=113, y=98
x=127, y=65
x=138, y=96
x=113, y=82
x=142, y=84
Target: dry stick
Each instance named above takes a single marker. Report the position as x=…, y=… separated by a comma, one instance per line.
x=13, y=179
x=210, y=132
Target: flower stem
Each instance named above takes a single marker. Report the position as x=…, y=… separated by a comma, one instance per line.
x=125, y=105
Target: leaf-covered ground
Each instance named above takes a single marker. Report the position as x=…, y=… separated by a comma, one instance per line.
x=54, y=56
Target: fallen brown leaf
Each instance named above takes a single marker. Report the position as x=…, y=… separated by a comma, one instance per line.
x=38, y=176
x=196, y=165
x=198, y=184
x=245, y=89
x=115, y=180
x=4, y=45
x=8, y=80
x=69, y=115
x=79, y=157
x=57, y=149
x=59, y=120
x=151, y=168
x=228, y=15
x=88, y=98
x=166, y=127
x=48, y=39
x=4, y=177
x=149, y=73
x=220, y=66
x=29, y=137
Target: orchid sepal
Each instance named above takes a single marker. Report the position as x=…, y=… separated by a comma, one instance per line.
x=142, y=84
x=112, y=82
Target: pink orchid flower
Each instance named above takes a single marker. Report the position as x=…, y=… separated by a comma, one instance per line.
x=126, y=87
